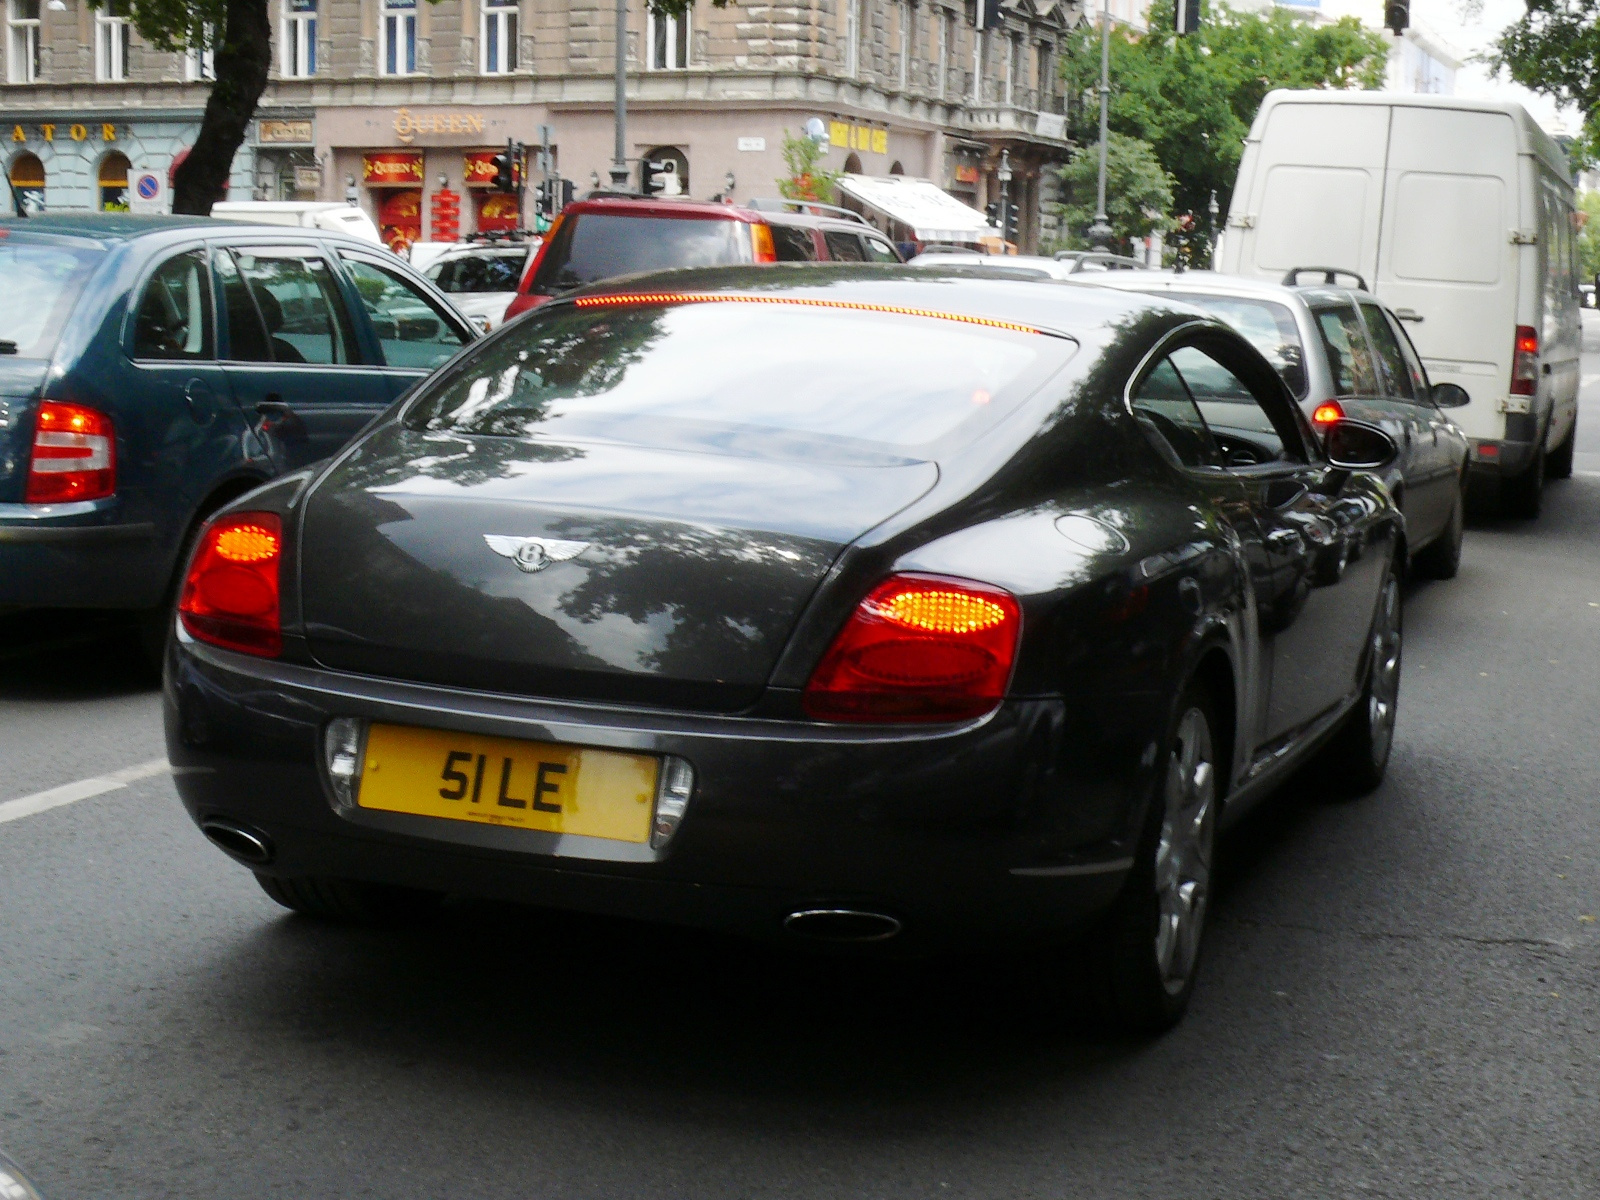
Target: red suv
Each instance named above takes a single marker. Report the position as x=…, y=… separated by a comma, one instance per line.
x=609, y=235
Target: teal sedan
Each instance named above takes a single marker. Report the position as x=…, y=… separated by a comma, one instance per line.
x=154, y=368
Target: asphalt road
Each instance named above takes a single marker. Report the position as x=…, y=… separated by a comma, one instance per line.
x=1401, y=998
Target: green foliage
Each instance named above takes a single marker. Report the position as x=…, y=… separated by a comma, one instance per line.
x=1589, y=235
x=807, y=178
x=1554, y=48
x=175, y=25
x=1192, y=98
x=676, y=8
x=1138, y=191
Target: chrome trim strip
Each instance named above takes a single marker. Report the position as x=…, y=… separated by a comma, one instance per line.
x=1104, y=868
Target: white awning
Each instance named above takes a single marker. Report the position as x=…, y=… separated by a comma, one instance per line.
x=933, y=214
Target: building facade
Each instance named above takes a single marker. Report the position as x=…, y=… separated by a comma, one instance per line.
x=391, y=102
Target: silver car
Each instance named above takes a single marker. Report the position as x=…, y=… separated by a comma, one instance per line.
x=1341, y=353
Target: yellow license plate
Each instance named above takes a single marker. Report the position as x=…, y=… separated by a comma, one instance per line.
x=500, y=781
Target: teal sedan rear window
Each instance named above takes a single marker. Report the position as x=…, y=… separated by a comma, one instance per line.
x=42, y=283
x=714, y=373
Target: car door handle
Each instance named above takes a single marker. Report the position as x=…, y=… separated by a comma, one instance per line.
x=1409, y=314
x=274, y=413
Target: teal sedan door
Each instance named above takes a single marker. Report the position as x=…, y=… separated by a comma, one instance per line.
x=414, y=332
x=294, y=358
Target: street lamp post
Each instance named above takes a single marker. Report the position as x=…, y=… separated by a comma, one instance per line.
x=619, y=158
x=1004, y=176
x=1100, y=232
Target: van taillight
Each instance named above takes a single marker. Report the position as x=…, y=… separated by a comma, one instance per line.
x=74, y=455
x=230, y=596
x=919, y=648
x=1525, y=362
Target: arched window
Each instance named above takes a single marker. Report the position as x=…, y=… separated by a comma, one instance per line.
x=897, y=169
x=114, y=182
x=27, y=177
x=852, y=165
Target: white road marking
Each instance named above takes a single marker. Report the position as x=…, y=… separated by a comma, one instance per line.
x=71, y=793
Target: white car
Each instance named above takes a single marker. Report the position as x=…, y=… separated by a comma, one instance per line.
x=481, y=280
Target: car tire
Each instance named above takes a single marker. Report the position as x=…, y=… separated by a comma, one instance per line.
x=349, y=901
x=1145, y=954
x=1523, y=495
x=1358, y=756
x=1441, y=558
x=1558, y=465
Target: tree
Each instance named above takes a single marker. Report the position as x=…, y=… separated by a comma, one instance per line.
x=1589, y=235
x=239, y=32
x=1554, y=48
x=1192, y=98
x=1138, y=191
x=807, y=178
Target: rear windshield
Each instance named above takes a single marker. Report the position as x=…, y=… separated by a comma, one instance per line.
x=1266, y=325
x=592, y=246
x=493, y=271
x=41, y=284
x=731, y=375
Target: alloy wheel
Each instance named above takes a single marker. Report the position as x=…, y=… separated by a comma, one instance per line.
x=1383, y=691
x=1183, y=855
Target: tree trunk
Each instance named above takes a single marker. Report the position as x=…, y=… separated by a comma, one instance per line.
x=243, y=57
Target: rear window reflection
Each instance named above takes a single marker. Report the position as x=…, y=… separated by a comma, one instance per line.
x=712, y=373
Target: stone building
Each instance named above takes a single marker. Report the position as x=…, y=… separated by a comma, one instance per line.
x=388, y=102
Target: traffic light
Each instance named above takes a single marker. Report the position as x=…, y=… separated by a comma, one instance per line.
x=991, y=213
x=1186, y=15
x=986, y=14
x=650, y=172
x=505, y=175
x=541, y=198
x=1397, y=15
x=1013, y=219
x=565, y=196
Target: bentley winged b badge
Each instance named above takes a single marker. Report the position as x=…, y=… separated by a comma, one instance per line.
x=532, y=553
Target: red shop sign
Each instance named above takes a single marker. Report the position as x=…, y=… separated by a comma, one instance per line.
x=477, y=168
x=391, y=168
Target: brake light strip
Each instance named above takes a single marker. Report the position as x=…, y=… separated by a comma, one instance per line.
x=618, y=299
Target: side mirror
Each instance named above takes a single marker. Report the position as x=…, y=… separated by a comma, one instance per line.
x=1450, y=395
x=1355, y=446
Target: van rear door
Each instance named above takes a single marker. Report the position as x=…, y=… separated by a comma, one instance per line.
x=1315, y=191
x=1451, y=202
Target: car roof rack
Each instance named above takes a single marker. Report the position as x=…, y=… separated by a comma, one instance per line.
x=779, y=204
x=1329, y=276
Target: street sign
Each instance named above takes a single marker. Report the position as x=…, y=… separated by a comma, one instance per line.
x=148, y=192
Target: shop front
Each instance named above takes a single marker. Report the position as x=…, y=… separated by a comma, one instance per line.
x=394, y=179
x=82, y=162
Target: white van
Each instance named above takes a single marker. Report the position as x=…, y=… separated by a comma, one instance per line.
x=301, y=214
x=1459, y=215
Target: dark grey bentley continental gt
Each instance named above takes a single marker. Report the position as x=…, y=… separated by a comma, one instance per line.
x=837, y=603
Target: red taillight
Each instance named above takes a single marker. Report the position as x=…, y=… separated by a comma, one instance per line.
x=1525, y=362
x=761, y=243
x=1327, y=413
x=74, y=455
x=919, y=648
x=230, y=597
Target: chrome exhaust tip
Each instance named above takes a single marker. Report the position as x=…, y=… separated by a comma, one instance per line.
x=841, y=925
x=249, y=847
